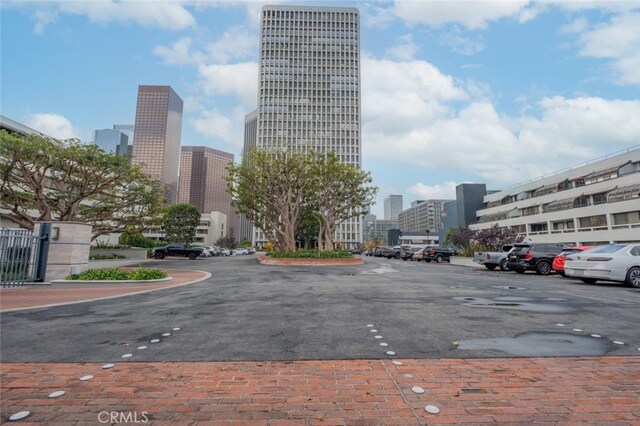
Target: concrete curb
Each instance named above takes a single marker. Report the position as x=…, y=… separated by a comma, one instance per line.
x=265, y=260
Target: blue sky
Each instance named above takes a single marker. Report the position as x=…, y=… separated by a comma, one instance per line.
x=497, y=92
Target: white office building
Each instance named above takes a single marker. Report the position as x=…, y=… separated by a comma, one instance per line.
x=309, y=88
x=594, y=203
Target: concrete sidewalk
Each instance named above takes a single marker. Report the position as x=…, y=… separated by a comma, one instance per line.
x=358, y=392
x=36, y=296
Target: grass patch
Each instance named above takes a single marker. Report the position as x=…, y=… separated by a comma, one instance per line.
x=310, y=254
x=114, y=274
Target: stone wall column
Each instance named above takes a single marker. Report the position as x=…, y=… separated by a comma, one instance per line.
x=68, y=248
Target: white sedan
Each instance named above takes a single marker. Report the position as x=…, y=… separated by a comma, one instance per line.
x=614, y=262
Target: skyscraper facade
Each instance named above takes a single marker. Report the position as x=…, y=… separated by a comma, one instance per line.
x=250, y=133
x=422, y=215
x=111, y=140
x=158, y=130
x=203, y=183
x=309, y=87
x=392, y=207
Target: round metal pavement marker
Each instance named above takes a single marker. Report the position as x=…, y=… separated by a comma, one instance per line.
x=176, y=329
x=560, y=325
x=106, y=366
x=432, y=409
x=577, y=329
x=378, y=336
x=373, y=331
x=616, y=342
x=56, y=394
x=127, y=355
x=154, y=340
x=166, y=334
x=369, y=325
x=19, y=415
x=391, y=353
x=596, y=335
x=396, y=362
x=87, y=377
x=408, y=376
x=384, y=344
x=142, y=347
x=417, y=389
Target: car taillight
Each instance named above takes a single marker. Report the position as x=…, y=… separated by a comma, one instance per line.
x=528, y=256
x=432, y=252
x=599, y=259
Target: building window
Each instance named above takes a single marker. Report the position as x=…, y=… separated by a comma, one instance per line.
x=539, y=227
x=627, y=218
x=563, y=225
x=593, y=221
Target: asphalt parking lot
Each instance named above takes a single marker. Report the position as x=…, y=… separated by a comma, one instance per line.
x=250, y=312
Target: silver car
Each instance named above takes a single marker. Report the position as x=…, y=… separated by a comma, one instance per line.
x=614, y=262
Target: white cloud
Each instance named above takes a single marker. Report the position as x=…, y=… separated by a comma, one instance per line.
x=163, y=14
x=375, y=17
x=51, y=124
x=231, y=79
x=179, y=53
x=405, y=49
x=235, y=43
x=461, y=44
x=228, y=128
x=471, y=14
x=438, y=124
x=619, y=41
x=577, y=26
x=43, y=17
x=445, y=190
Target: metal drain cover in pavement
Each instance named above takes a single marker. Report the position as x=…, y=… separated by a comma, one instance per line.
x=56, y=394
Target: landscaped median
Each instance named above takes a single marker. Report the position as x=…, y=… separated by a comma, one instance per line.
x=310, y=258
x=117, y=276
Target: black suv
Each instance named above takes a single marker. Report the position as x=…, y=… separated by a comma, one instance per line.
x=438, y=254
x=533, y=257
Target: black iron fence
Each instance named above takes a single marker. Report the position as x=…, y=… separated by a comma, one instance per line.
x=23, y=256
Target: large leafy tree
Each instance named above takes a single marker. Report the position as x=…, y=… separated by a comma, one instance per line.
x=43, y=180
x=494, y=238
x=180, y=223
x=340, y=192
x=271, y=189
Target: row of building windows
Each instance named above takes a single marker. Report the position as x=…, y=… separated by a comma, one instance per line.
x=624, y=193
x=629, y=219
x=589, y=179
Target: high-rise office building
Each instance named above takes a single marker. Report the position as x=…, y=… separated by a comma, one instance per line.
x=156, y=141
x=392, y=207
x=127, y=129
x=250, y=133
x=111, y=140
x=309, y=87
x=203, y=183
x=423, y=215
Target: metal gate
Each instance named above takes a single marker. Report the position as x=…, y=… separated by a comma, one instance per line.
x=23, y=256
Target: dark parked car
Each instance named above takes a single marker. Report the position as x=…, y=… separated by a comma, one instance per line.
x=438, y=254
x=533, y=257
x=357, y=250
x=406, y=253
x=378, y=251
x=179, y=250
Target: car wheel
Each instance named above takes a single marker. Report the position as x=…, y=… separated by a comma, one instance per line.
x=633, y=277
x=159, y=255
x=519, y=270
x=397, y=256
x=588, y=280
x=439, y=259
x=503, y=265
x=192, y=256
x=490, y=267
x=543, y=268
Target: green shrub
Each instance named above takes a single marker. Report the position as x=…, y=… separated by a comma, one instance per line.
x=311, y=254
x=107, y=256
x=113, y=274
x=147, y=274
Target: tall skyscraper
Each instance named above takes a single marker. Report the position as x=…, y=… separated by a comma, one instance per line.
x=309, y=87
x=392, y=207
x=156, y=141
x=203, y=183
x=250, y=134
x=127, y=129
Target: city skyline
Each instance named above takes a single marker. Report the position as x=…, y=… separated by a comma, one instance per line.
x=496, y=93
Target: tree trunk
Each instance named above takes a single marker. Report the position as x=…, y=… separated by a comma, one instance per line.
x=320, y=235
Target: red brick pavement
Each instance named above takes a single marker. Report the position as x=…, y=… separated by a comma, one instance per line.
x=39, y=296
x=576, y=391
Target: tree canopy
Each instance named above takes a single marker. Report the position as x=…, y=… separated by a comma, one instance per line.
x=46, y=180
x=180, y=223
x=280, y=192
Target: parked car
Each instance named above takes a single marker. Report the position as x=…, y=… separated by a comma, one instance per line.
x=377, y=251
x=390, y=252
x=438, y=254
x=421, y=254
x=533, y=257
x=493, y=259
x=180, y=250
x=241, y=250
x=559, y=260
x=613, y=262
x=407, y=253
x=224, y=251
x=357, y=250
x=368, y=252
